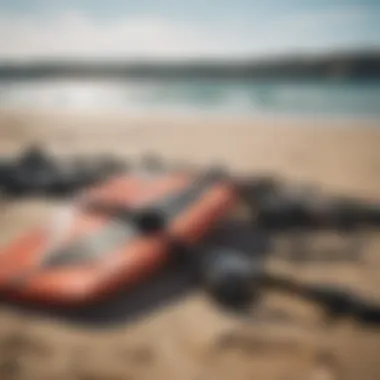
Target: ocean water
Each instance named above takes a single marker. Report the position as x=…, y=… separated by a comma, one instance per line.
x=257, y=97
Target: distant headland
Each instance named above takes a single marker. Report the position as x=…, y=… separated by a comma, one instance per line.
x=355, y=65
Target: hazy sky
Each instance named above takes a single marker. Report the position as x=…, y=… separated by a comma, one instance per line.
x=183, y=28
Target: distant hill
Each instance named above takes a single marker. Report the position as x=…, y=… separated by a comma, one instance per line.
x=343, y=65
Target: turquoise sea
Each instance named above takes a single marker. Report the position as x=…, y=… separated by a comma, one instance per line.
x=257, y=97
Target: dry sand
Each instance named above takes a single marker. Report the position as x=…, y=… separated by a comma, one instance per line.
x=191, y=339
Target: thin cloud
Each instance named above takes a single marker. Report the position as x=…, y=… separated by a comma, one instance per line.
x=72, y=34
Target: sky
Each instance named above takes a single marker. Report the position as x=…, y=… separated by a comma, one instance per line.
x=183, y=29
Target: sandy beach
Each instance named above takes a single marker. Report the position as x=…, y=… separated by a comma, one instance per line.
x=191, y=339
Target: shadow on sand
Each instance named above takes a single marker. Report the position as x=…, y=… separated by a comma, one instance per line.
x=126, y=306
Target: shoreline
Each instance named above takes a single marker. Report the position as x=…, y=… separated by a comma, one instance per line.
x=286, y=118
x=342, y=155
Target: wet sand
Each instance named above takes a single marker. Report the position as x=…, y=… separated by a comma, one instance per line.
x=191, y=339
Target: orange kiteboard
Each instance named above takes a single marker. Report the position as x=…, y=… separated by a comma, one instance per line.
x=81, y=256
